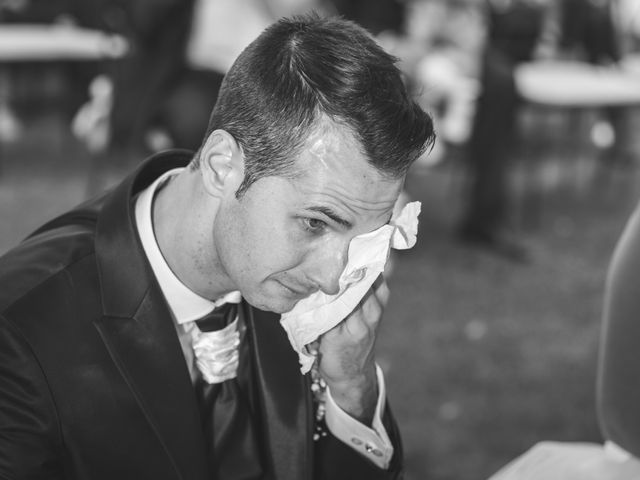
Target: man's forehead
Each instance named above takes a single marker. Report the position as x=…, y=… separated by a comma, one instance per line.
x=332, y=149
x=330, y=137
x=332, y=173
x=349, y=208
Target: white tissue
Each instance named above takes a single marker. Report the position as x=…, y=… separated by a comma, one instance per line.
x=368, y=254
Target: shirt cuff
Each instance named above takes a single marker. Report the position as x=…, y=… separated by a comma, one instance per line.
x=373, y=443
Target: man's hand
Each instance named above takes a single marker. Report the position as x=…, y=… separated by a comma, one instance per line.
x=569, y=461
x=346, y=356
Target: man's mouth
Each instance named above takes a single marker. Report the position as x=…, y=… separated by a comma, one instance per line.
x=299, y=291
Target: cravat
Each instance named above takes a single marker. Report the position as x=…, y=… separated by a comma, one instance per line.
x=226, y=411
x=219, y=318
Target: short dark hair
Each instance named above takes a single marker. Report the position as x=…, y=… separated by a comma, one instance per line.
x=302, y=68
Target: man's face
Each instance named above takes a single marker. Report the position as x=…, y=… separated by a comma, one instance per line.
x=285, y=239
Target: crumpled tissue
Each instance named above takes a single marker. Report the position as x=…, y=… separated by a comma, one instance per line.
x=367, y=256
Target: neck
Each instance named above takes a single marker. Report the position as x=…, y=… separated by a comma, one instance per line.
x=183, y=228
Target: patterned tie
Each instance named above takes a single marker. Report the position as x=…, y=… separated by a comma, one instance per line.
x=226, y=411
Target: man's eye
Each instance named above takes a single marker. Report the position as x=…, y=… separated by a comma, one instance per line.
x=314, y=225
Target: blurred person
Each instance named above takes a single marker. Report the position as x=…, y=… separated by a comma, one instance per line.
x=32, y=11
x=590, y=32
x=182, y=49
x=105, y=369
x=158, y=32
x=377, y=16
x=219, y=31
x=628, y=17
x=102, y=15
x=10, y=125
x=452, y=34
x=513, y=31
x=618, y=390
x=15, y=11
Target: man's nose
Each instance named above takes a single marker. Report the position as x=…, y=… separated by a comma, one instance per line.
x=329, y=264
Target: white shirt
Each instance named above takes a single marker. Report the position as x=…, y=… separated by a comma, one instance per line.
x=186, y=306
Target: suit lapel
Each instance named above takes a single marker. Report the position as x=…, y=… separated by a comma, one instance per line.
x=147, y=352
x=284, y=397
x=139, y=332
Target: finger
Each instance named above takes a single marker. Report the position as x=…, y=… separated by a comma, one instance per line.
x=378, y=281
x=371, y=309
x=376, y=298
x=366, y=315
x=381, y=290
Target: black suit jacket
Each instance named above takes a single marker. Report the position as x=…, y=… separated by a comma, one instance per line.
x=93, y=382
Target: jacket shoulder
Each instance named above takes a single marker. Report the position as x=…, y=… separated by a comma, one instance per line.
x=41, y=257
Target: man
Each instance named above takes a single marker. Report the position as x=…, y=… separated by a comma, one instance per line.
x=100, y=309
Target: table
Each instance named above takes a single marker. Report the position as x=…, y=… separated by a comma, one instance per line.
x=50, y=43
x=26, y=42
x=578, y=84
x=577, y=88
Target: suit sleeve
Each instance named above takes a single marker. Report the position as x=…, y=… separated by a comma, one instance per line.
x=29, y=439
x=619, y=365
x=335, y=460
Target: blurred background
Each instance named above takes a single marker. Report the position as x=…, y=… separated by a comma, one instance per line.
x=491, y=337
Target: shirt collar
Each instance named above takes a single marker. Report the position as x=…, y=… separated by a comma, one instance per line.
x=184, y=303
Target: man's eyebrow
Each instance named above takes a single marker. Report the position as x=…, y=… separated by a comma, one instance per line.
x=332, y=215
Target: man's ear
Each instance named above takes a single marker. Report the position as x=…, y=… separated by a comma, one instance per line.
x=221, y=163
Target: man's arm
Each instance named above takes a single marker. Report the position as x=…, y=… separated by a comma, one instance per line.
x=347, y=359
x=27, y=417
x=336, y=460
x=356, y=396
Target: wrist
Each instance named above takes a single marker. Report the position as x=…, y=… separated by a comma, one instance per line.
x=357, y=396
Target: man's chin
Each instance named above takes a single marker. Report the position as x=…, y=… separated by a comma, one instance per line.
x=279, y=306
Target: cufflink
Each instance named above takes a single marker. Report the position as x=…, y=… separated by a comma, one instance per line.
x=371, y=449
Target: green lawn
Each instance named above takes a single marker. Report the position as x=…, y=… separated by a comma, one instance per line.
x=483, y=357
